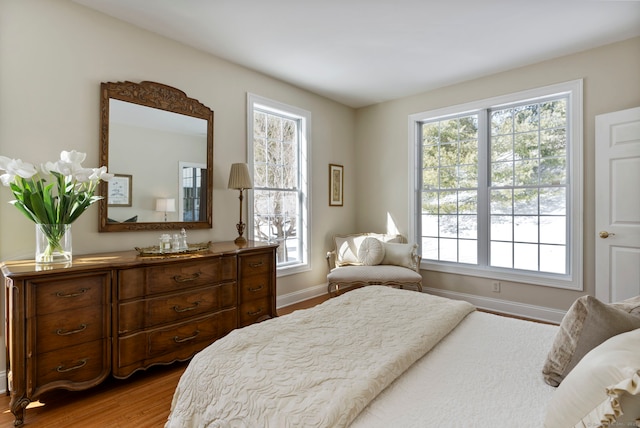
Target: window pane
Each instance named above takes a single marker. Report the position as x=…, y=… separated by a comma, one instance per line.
x=448, y=227
x=553, y=171
x=430, y=225
x=553, y=258
x=525, y=229
x=501, y=202
x=468, y=176
x=468, y=251
x=525, y=201
x=525, y=173
x=449, y=250
x=502, y=122
x=553, y=230
x=501, y=254
x=525, y=256
x=468, y=226
x=501, y=174
x=430, y=157
x=501, y=228
x=430, y=248
x=468, y=202
x=502, y=148
x=553, y=200
x=525, y=118
x=553, y=143
x=526, y=146
x=448, y=178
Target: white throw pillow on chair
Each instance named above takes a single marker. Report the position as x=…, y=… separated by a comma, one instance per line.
x=371, y=252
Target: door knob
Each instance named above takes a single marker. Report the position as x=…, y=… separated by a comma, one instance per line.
x=604, y=234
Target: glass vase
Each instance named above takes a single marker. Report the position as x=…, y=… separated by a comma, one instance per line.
x=53, y=243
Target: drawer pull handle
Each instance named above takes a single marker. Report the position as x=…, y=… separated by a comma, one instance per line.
x=61, y=332
x=62, y=369
x=252, y=314
x=255, y=265
x=80, y=293
x=254, y=289
x=189, y=308
x=186, y=339
x=178, y=278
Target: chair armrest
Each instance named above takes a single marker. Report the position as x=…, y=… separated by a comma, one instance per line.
x=331, y=260
x=417, y=258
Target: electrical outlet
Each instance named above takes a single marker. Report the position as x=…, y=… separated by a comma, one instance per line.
x=495, y=286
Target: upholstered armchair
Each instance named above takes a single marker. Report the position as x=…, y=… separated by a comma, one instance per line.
x=372, y=259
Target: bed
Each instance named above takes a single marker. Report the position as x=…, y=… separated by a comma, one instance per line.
x=374, y=357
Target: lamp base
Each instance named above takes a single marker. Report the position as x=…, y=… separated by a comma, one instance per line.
x=240, y=241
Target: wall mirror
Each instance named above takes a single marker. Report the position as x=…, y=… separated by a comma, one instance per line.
x=159, y=144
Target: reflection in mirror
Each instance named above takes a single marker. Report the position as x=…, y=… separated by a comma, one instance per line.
x=163, y=142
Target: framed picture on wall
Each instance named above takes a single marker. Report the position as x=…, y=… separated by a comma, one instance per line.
x=119, y=193
x=336, y=185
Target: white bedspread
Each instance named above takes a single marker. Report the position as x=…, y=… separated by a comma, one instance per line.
x=485, y=374
x=314, y=368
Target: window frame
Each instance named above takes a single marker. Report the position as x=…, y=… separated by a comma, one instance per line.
x=573, y=279
x=304, y=173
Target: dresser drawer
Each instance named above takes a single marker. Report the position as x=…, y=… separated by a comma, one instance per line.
x=147, y=281
x=145, y=347
x=80, y=363
x=139, y=314
x=255, y=264
x=254, y=311
x=69, y=293
x=63, y=329
x=255, y=287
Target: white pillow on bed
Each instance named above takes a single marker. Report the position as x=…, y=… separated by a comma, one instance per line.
x=603, y=388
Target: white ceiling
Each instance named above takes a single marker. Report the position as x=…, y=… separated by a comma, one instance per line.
x=360, y=52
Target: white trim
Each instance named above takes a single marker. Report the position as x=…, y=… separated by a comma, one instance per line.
x=523, y=310
x=574, y=279
x=278, y=107
x=301, y=295
x=3, y=375
x=533, y=312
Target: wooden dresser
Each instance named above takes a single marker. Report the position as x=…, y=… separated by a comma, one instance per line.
x=112, y=314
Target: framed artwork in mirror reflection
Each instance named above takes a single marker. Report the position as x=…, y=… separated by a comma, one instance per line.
x=119, y=191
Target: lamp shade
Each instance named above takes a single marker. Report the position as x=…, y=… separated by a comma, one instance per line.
x=166, y=205
x=239, y=177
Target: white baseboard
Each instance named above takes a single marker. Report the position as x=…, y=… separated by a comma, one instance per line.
x=3, y=387
x=300, y=296
x=524, y=310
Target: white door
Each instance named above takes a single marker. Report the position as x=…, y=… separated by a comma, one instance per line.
x=618, y=205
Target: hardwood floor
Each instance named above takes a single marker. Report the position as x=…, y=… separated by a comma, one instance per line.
x=142, y=401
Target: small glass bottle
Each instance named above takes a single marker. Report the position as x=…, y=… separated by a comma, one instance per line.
x=175, y=243
x=165, y=242
x=183, y=240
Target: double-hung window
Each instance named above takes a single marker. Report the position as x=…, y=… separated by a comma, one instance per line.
x=278, y=158
x=498, y=187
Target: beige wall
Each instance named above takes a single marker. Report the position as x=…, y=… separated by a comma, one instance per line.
x=611, y=82
x=55, y=53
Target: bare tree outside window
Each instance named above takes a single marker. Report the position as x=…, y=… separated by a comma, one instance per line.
x=276, y=183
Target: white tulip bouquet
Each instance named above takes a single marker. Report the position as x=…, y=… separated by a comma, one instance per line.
x=55, y=194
